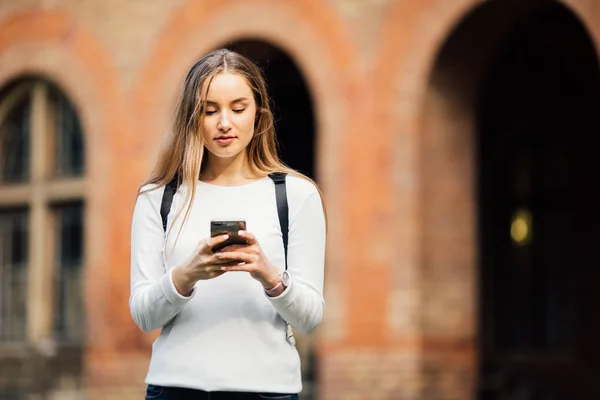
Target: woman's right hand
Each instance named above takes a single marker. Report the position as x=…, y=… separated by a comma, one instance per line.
x=202, y=265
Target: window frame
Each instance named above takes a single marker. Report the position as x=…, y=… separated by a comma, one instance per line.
x=39, y=195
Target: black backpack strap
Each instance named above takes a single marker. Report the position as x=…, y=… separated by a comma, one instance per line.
x=167, y=200
x=282, y=207
x=282, y=210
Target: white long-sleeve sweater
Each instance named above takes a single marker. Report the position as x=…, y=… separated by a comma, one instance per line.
x=228, y=335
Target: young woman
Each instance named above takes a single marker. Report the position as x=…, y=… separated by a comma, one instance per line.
x=224, y=315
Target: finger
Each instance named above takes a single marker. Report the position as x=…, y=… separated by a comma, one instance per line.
x=215, y=241
x=216, y=264
x=250, y=238
x=232, y=247
x=217, y=259
x=235, y=255
x=214, y=274
x=239, y=267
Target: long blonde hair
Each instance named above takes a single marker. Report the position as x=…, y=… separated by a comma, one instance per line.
x=182, y=156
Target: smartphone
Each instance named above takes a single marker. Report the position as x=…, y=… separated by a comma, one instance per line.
x=228, y=226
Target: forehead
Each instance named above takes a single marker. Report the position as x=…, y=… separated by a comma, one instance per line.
x=227, y=86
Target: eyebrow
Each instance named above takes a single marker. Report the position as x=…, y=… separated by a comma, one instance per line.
x=238, y=100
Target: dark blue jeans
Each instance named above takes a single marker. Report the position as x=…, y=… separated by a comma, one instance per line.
x=171, y=393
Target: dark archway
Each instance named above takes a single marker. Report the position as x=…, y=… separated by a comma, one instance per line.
x=538, y=145
x=511, y=163
x=291, y=102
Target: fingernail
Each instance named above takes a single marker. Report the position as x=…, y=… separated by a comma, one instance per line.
x=223, y=268
x=226, y=236
x=241, y=233
x=218, y=255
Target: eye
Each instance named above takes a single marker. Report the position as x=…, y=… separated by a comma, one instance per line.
x=239, y=110
x=210, y=112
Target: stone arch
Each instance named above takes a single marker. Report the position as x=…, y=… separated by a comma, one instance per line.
x=318, y=45
x=447, y=164
x=432, y=124
x=410, y=39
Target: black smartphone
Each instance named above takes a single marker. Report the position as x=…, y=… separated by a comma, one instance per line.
x=228, y=226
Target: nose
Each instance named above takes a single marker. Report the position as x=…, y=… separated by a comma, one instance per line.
x=224, y=122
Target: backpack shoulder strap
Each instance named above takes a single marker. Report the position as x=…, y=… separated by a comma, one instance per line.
x=167, y=200
x=282, y=210
x=282, y=207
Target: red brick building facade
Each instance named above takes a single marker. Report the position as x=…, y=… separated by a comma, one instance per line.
x=396, y=92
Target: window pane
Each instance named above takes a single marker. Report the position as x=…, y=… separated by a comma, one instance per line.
x=14, y=145
x=70, y=155
x=69, y=321
x=13, y=275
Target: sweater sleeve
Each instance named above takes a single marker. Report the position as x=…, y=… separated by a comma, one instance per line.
x=302, y=303
x=153, y=301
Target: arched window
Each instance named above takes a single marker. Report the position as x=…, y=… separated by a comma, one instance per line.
x=42, y=168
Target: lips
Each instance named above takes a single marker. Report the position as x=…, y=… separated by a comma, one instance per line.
x=225, y=139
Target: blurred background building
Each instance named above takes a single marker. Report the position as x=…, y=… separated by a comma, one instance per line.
x=457, y=143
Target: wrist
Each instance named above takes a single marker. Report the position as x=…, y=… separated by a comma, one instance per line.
x=182, y=281
x=283, y=282
x=271, y=281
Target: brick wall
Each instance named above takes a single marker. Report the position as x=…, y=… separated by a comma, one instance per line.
x=400, y=294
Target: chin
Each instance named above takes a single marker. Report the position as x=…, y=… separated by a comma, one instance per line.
x=225, y=152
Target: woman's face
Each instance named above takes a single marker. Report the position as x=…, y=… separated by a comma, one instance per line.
x=230, y=112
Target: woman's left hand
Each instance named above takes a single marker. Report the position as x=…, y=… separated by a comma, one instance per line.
x=253, y=259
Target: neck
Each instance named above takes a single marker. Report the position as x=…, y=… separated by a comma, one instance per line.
x=227, y=171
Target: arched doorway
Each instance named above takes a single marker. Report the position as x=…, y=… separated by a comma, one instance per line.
x=291, y=102
x=292, y=107
x=510, y=113
x=538, y=157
